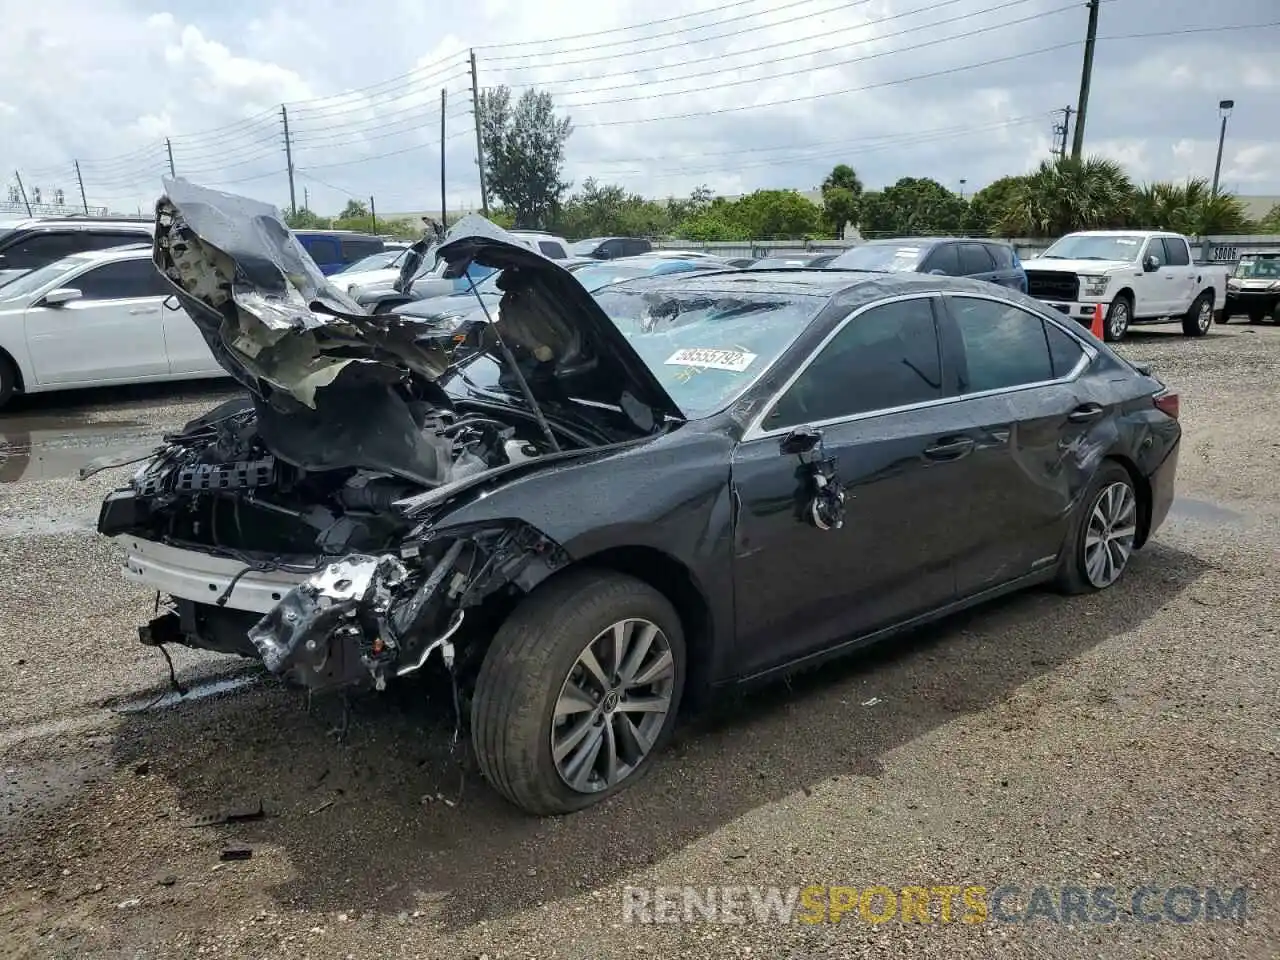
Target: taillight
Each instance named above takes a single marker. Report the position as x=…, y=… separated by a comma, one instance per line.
x=1167, y=403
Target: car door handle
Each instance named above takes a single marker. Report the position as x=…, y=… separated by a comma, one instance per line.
x=1085, y=413
x=949, y=448
x=142, y=310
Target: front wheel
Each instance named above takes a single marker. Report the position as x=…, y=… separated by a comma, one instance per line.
x=578, y=692
x=1117, y=321
x=1098, y=550
x=1199, y=319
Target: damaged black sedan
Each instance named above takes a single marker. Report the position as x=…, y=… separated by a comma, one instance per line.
x=586, y=508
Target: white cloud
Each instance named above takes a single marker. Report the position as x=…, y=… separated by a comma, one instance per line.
x=109, y=85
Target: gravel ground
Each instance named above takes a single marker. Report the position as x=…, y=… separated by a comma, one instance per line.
x=1117, y=740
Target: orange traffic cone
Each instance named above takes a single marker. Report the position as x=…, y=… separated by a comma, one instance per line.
x=1096, y=327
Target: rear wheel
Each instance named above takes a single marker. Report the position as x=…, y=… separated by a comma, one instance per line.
x=1117, y=321
x=1255, y=317
x=1097, y=552
x=8, y=378
x=1199, y=319
x=578, y=692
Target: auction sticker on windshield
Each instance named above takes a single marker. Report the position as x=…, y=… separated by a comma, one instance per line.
x=735, y=361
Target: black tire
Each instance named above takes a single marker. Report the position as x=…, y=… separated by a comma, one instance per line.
x=1119, y=315
x=1072, y=576
x=1255, y=318
x=8, y=378
x=1225, y=316
x=1198, y=320
x=532, y=654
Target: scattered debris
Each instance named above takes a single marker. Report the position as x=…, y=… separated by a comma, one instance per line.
x=871, y=703
x=324, y=806
x=251, y=811
x=142, y=769
x=168, y=880
x=129, y=904
x=236, y=853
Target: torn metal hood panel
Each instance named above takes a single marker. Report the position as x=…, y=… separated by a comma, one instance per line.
x=271, y=318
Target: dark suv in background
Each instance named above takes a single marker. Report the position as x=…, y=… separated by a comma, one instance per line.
x=990, y=260
x=39, y=241
x=610, y=248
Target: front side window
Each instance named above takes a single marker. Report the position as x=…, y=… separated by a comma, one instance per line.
x=122, y=280
x=1002, y=255
x=323, y=250
x=40, y=249
x=1175, y=252
x=1005, y=346
x=886, y=357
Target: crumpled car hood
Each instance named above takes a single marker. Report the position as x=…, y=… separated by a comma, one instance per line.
x=279, y=326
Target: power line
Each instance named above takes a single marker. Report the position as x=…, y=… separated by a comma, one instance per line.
x=637, y=26
x=783, y=43
x=843, y=5
x=350, y=101
x=1004, y=24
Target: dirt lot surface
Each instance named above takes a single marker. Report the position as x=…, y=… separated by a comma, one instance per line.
x=1113, y=741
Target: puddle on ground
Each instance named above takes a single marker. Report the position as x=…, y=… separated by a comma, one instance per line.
x=47, y=447
x=197, y=691
x=1189, y=508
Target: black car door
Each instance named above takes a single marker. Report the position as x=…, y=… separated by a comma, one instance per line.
x=876, y=390
x=1029, y=410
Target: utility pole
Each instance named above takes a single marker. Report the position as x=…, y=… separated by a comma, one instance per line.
x=168, y=144
x=475, y=111
x=306, y=198
x=79, y=179
x=1086, y=74
x=22, y=190
x=373, y=214
x=288, y=159
x=444, y=212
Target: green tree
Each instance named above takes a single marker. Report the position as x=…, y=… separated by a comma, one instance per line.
x=1271, y=222
x=305, y=219
x=912, y=207
x=354, y=210
x=1191, y=208
x=778, y=214
x=524, y=146
x=841, y=192
x=989, y=207
x=605, y=209
x=1064, y=195
x=698, y=202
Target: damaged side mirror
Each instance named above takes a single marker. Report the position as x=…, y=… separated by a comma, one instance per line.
x=799, y=442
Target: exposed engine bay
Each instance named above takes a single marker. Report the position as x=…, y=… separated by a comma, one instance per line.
x=327, y=488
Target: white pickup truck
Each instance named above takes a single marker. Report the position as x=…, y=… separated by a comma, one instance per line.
x=1138, y=276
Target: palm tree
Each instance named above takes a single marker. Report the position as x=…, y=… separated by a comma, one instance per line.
x=1191, y=208
x=1065, y=195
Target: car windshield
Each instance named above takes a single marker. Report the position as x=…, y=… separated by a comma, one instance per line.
x=1085, y=247
x=1258, y=267
x=28, y=283
x=584, y=248
x=706, y=347
x=375, y=261
x=593, y=278
x=900, y=256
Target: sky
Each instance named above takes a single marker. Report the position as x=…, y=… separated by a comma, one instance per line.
x=664, y=95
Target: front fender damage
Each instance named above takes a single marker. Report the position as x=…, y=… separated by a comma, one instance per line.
x=363, y=619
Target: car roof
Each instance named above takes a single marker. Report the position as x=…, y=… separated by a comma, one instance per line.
x=85, y=223
x=824, y=282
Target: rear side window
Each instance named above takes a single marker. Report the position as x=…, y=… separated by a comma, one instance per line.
x=40, y=249
x=943, y=258
x=1005, y=346
x=124, y=279
x=639, y=246
x=323, y=250
x=974, y=259
x=1064, y=350
x=887, y=357
x=1002, y=255
x=358, y=248
x=1175, y=252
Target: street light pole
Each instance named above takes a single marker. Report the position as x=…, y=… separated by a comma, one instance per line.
x=1224, y=107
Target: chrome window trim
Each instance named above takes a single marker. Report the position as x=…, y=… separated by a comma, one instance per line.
x=755, y=430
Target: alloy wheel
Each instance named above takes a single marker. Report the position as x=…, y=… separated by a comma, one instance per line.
x=1119, y=321
x=613, y=705
x=1204, y=319
x=1108, y=541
